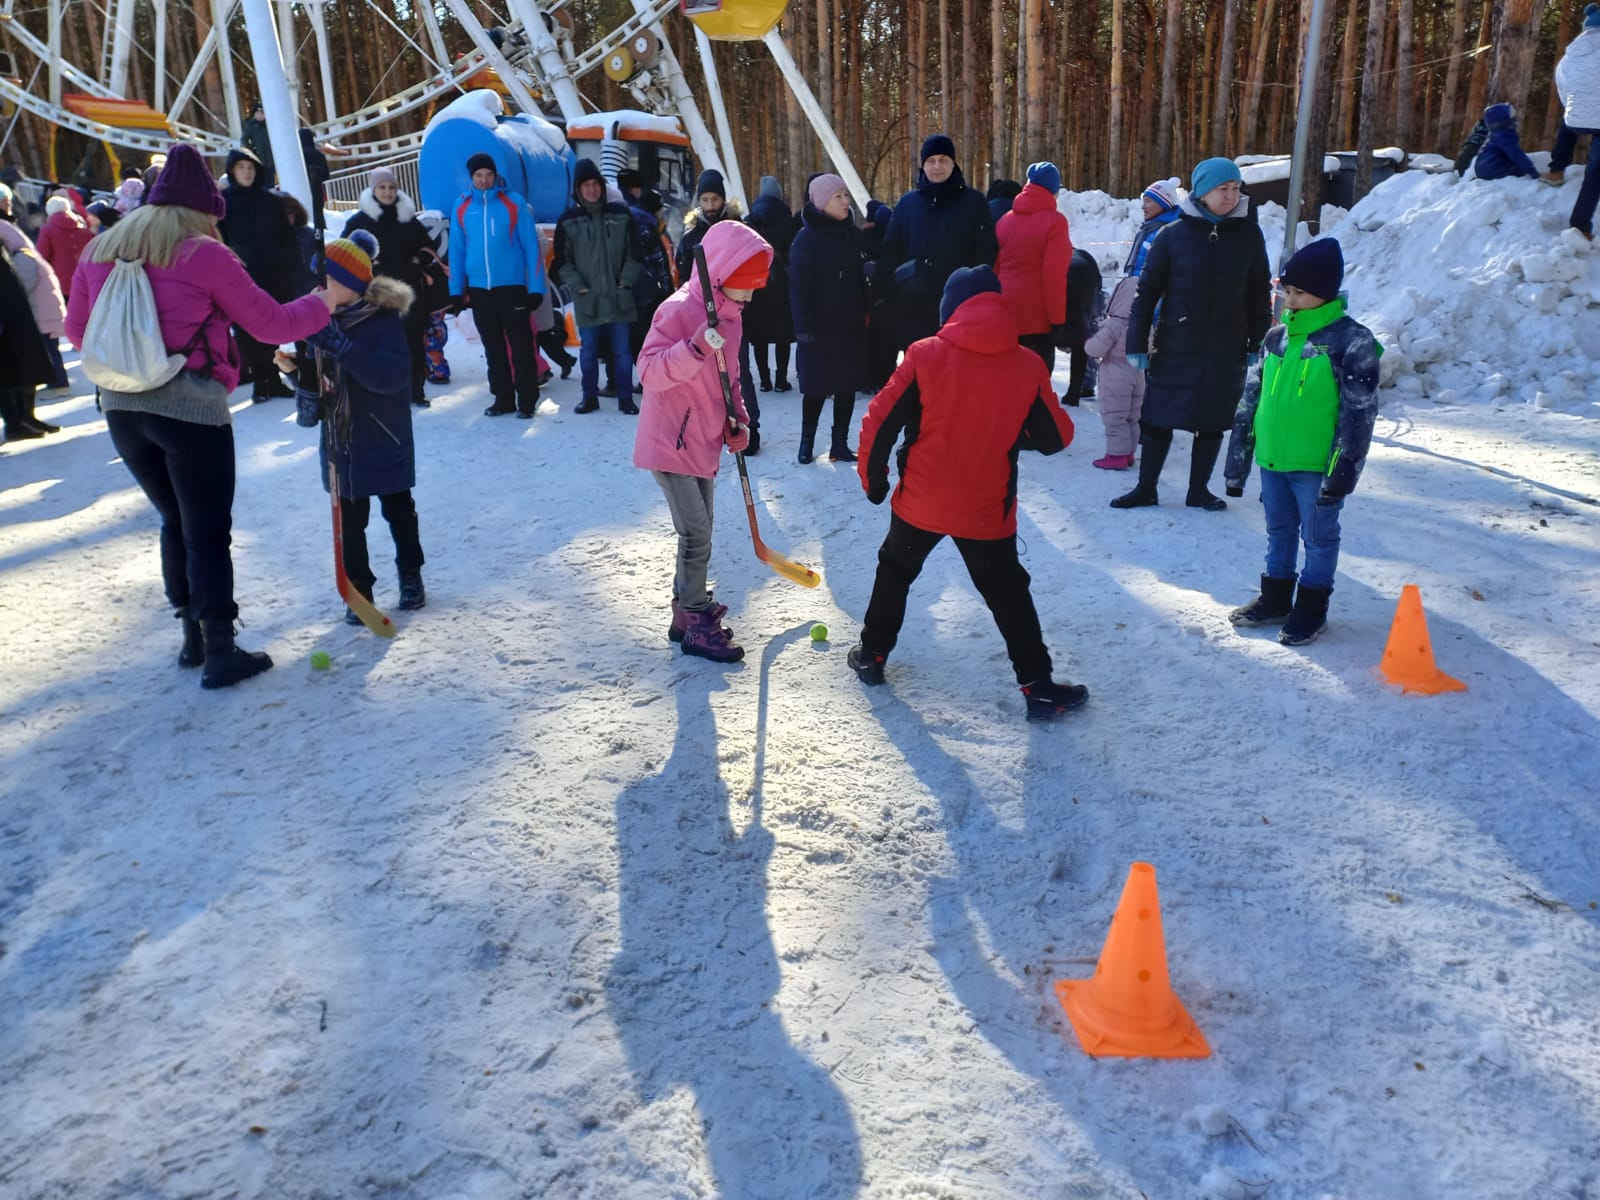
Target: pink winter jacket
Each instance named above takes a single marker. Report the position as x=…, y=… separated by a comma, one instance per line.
x=682, y=415
x=44, y=291
x=1120, y=382
x=206, y=286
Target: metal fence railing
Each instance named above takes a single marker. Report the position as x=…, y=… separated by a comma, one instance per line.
x=342, y=192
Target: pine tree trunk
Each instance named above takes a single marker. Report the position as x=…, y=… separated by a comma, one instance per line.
x=1225, y=76
x=997, y=90
x=1479, y=87
x=1516, y=38
x=1370, y=88
x=1321, y=112
x=1344, y=120
x=1169, y=82
x=1117, y=174
x=969, y=86
x=947, y=101
x=1033, y=32
x=1405, y=81
x=1249, y=125
x=824, y=61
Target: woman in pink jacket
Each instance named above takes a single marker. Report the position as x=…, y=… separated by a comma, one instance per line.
x=177, y=440
x=684, y=422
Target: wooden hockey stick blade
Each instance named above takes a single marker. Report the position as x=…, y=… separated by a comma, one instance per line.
x=792, y=571
x=359, y=604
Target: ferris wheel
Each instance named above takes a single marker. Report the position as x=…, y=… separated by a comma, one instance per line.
x=526, y=48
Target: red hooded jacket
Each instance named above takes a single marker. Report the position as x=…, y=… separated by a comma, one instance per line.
x=1035, y=252
x=967, y=399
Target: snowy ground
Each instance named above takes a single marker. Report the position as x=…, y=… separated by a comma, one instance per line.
x=522, y=903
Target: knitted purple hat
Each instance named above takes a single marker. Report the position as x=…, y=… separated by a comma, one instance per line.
x=186, y=182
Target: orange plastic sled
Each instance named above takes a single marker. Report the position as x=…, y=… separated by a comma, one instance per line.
x=1408, y=658
x=1128, y=1009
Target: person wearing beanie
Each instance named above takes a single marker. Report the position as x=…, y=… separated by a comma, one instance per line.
x=938, y=226
x=1577, y=83
x=255, y=227
x=101, y=216
x=769, y=321
x=177, y=439
x=965, y=400
x=408, y=254
x=1306, y=418
x=1203, y=306
x=356, y=381
x=632, y=184
x=1035, y=253
x=828, y=296
x=685, y=424
x=1502, y=156
x=253, y=136
x=1001, y=194
x=1159, y=203
x=497, y=265
x=599, y=259
x=711, y=206
x=883, y=350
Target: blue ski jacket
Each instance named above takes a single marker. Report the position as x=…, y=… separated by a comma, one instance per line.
x=494, y=242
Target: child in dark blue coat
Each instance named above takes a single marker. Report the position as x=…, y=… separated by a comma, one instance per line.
x=1502, y=156
x=363, y=397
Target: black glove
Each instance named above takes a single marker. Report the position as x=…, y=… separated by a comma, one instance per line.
x=330, y=339
x=1327, y=499
x=1233, y=489
x=1341, y=481
x=457, y=303
x=877, y=490
x=307, y=407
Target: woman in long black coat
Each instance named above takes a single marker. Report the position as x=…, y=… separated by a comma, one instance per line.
x=828, y=296
x=24, y=364
x=767, y=318
x=256, y=228
x=404, y=245
x=1209, y=273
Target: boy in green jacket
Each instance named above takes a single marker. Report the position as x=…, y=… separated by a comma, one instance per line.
x=1307, y=418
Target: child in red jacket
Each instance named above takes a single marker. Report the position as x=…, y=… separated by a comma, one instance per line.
x=968, y=399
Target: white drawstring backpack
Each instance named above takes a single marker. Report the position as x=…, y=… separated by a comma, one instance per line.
x=123, y=349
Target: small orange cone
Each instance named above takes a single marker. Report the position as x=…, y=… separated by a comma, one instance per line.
x=1408, y=658
x=1129, y=1008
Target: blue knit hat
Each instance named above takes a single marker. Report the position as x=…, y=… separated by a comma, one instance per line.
x=1212, y=174
x=1591, y=16
x=937, y=143
x=965, y=283
x=1317, y=267
x=1046, y=176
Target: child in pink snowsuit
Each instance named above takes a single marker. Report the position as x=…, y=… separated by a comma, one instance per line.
x=1121, y=387
x=684, y=423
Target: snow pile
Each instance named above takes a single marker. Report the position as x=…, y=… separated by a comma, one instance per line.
x=1477, y=290
x=631, y=118
x=481, y=105
x=1103, y=225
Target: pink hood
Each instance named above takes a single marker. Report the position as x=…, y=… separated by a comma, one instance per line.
x=681, y=412
x=44, y=291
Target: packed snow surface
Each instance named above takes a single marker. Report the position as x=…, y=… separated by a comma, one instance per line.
x=525, y=903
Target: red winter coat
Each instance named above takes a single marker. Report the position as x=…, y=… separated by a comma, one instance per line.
x=60, y=242
x=1035, y=252
x=967, y=398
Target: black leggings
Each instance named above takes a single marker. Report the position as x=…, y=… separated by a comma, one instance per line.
x=187, y=472
x=401, y=513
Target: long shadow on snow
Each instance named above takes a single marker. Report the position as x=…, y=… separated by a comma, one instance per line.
x=691, y=987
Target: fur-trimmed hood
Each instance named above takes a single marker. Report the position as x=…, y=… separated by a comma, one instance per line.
x=384, y=292
x=730, y=211
x=405, y=209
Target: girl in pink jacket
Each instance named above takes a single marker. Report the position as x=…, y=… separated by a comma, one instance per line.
x=684, y=422
x=1120, y=389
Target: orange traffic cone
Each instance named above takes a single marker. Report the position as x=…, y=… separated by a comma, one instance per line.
x=1129, y=1009
x=1408, y=658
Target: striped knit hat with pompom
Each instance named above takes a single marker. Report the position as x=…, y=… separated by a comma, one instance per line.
x=349, y=263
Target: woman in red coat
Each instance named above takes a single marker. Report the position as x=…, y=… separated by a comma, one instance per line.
x=1035, y=254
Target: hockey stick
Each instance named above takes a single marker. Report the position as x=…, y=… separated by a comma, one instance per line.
x=374, y=620
x=787, y=567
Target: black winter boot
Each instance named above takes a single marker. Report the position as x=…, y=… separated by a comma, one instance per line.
x=17, y=429
x=1048, y=699
x=1271, y=606
x=412, y=594
x=226, y=663
x=1152, y=457
x=810, y=414
x=1202, y=459
x=867, y=666
x=194, y=647
x=844, y=408
x=1309, y=616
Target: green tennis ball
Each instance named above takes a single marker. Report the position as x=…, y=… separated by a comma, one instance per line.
x=320, y=660
x=819, y=632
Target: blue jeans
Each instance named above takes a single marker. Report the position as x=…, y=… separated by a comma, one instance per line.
x=621, y=358
x=1589, y=193
x=1290, y=501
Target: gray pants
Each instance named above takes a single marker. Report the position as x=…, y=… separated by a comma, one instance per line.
x=689, y=499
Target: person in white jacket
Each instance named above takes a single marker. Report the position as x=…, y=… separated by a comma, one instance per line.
x=1577, y=82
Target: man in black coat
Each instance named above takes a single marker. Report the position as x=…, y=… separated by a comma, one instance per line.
x=1083, y=304
x=938, y=227
x=256, y=228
